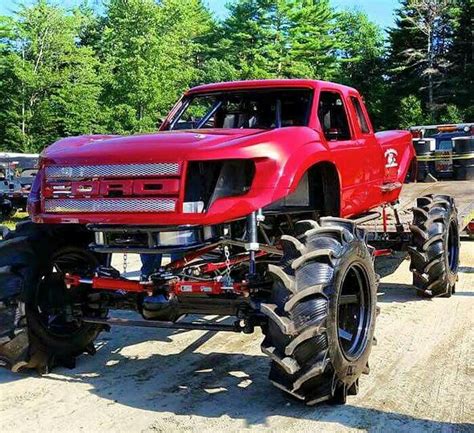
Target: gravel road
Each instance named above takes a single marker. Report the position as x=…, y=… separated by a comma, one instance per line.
x=421, y=379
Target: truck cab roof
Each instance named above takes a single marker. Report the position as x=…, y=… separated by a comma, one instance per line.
x=272, y=83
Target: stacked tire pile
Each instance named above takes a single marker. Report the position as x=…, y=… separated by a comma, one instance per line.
x=463, y=157
x=462, y=154
x=425, y=150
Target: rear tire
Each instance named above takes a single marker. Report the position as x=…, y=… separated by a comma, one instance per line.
x=322, y=315
x=435, y=246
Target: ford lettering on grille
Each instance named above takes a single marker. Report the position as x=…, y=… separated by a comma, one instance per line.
x=114, y=188
x=65, y=192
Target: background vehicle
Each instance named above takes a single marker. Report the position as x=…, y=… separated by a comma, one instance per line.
x=17, y=173
x=20, y=187
x=266, y=197
x=445, y=151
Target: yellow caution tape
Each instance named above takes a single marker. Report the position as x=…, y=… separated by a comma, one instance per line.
x=442, y=157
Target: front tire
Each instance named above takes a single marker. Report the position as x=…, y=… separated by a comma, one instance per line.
x=322, y=315
x=53, y=313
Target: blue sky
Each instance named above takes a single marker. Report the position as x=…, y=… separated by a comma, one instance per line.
x=380, y=11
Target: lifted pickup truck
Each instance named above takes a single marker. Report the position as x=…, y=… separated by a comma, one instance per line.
x=259, y=191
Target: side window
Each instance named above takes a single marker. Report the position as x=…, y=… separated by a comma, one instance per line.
x=364, y=126
x=333, y=117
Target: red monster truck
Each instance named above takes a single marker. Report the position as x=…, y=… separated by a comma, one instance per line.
x=262, y=188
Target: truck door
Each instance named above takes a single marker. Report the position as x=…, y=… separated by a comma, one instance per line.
x=375, y=172
x=356, y=154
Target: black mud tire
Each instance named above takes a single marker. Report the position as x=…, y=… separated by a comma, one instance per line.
x=435, y=246
x=30, y=252
x=326, y=276
x=67, y=340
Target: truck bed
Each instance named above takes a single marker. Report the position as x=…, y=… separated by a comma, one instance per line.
x=462, y=191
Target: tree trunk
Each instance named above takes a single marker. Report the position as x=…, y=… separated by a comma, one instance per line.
x=430, y=72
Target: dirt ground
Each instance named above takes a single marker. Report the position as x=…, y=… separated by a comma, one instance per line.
x=421, y=379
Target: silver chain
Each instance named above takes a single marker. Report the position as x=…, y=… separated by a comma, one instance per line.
x=227, y=280
x=227, y=259
x=125, y=264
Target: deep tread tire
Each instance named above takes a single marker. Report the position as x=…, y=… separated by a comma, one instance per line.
x=29, y=251
x=61, y=348
x=435, y=246
x=302, y=338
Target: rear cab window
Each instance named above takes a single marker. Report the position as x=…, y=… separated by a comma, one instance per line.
x=332, y=114
x=361, y=117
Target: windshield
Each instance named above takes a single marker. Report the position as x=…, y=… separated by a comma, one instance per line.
x=261, y=109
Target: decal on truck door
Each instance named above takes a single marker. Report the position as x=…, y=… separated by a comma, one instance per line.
x=391, y=157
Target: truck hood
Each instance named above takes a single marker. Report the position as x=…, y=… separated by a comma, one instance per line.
x=166, y=146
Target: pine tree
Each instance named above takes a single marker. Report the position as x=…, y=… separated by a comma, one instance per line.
x=361, y=58
x=313, y=41
x=283, y=38
x=461, y=73
x=420, y=45
x=248, y=39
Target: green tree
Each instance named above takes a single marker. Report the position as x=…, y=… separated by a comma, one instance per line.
x=49, y=84
x=411, y=112
x=248, y=40
x=152, y=52
x=452, y=114
x=361, y=60
x=313, y=42
x=420, y=51
x=461, y=73
x=404, y=79
x=283, y=38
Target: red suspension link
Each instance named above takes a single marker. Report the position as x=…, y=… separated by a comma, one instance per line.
x=108, y=283
x=211, y=287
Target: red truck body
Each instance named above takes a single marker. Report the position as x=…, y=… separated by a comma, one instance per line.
x=371, y=166
x=259, y=193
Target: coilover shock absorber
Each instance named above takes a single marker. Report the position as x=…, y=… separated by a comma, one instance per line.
x=252, y=246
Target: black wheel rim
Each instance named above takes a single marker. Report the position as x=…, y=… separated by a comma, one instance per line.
x=58, y=310
x=453, y=247
x=354, y=312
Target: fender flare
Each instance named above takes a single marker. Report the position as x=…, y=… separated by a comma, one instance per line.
x=301, y=161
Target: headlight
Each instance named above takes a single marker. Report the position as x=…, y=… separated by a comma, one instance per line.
x=193, y=206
